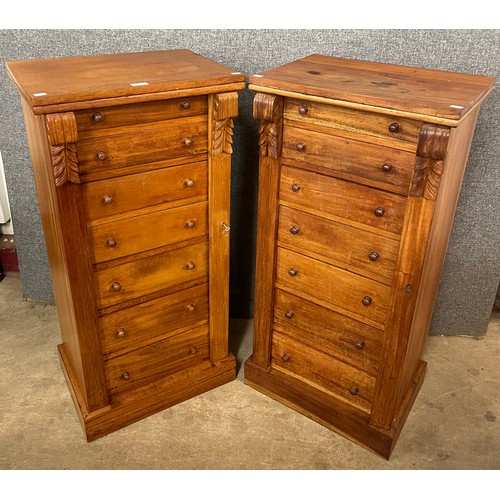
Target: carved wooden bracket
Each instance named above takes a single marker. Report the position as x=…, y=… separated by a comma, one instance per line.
x=63, y=137
x=224, y=109
x=268, y=109
x=431, y=151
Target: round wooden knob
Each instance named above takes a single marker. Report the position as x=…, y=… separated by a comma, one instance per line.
x=296, y=187
x=286, y=358
x=120, y=333
x=187, y=141
x=111, y=243
x=188, y=183
x=190, y=224
x=359, y=345
x=366, y=301
x=116, y=286
x=190, y=265
x=185, y=104
x=293, y=271
x=125, y=376
x=97, y=117
x=303, y=109
x=101, y=155
x=295, y=229
x=191, y=308
x=300, y=146
x=387, y=167
x=379, y=211
x=289, y=314
x=193, y=350
x=394, y=127
x=107, y=199
x=374, y=256
x=354, y=390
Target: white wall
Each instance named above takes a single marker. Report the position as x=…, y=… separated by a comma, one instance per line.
x=6, y=226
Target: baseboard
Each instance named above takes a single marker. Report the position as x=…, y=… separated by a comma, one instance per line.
x=330, y=411
x=131, y=406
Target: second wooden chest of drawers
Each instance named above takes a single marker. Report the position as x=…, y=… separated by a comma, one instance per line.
x=131, y=156
x=360, y=170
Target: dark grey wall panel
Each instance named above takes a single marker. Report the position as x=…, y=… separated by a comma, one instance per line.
x=472, y=269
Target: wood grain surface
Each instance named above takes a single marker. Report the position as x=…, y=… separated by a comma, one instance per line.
x=153, y=320
x=145, y=190
x=435, y=93
x=368, y=127
x=320, y=370
x=117, y=239
x=369, y=164
x=150, y=274
x=345, y=291
x=344, y=246
x=140, y=144
x=90, y=120
x=156, y=360
x=372, y=162
x=132, y=155
x=346, y=201
x=328, y=331
x=85, y=78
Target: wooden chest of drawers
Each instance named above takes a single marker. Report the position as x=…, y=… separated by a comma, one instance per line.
x=131, y=156
x=360, y=170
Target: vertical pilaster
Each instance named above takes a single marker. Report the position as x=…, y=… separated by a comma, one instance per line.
x=222, y=109
x=65, y=227
x=268, y=109
x=429, y=165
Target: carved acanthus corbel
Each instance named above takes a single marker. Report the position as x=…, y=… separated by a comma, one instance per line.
x=431, y=152
x=268, y=109
x=63, y=137
x=224, y=109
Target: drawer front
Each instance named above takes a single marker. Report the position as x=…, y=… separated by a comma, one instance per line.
x=316, y=367
x=390, y=168
x=131, y=114
x=142, y=324
x=141, y=144
x=311, y=278
x=157, y=360
x=151, y=274
x=328, y=331
x=146, y=189
x=394, y=131
x=348, y=247
x=343, y=199
x=146, y=232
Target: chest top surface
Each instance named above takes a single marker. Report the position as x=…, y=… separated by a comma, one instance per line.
x=75, y=79
x=440, y=94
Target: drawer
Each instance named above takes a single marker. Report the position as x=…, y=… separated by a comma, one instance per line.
x=142, y=324
x=146, y=232
x=157, y=360
x=342, y=199
x=146, y=189
x=151, y=274
x=391, y=130
x=323, y=371
x=143, y=143
x=370, y=254
x=346, y=292
x=131, y=114
x=334, y=334
x=369, y=164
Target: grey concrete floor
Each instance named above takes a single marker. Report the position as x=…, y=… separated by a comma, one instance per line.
x=454, y=423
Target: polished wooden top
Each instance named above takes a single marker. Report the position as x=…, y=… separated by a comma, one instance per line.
x=74, y=79
x=442, y=94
